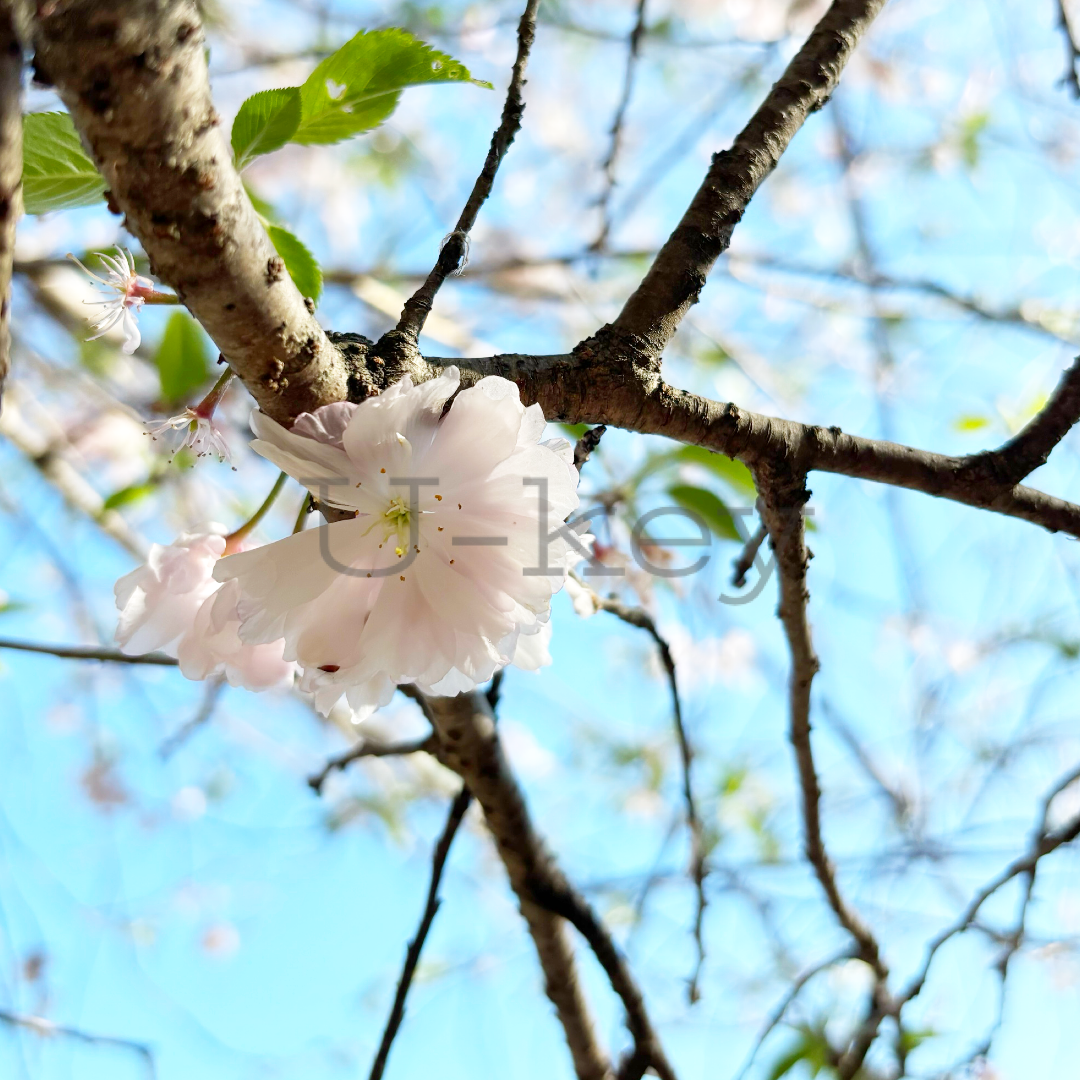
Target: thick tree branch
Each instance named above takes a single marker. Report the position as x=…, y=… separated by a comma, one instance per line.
x=674, y=281
x=133, y=75
x=470, y=746
x=10, y=171
x=412, y=955
x=1072, y=52
x=455, y=247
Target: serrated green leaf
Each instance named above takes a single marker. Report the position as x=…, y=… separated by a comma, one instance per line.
x=57, y=174
x=182, y=358
x=265, y=122
x=127, y=495
x=301, y=264
x=708, y=506
x=356, y=88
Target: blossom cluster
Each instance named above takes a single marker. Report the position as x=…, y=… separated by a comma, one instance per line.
x=440, y=571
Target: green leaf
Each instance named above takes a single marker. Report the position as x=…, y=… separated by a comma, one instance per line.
x=182, y=359
x=708, y=506
x=265, y=122
x=356, y=88
x=127, y=495
x=734, y=473
x=574, y=431
x=301, y=264
x=264, y=209
x=971, y=423
x=57, y=174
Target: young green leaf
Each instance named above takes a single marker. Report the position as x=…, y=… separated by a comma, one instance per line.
x=356, y=88
x=57, y=174
x=734, y=473
x=265, y=122
x=182, y=358
x=127, y=495
x=301, y=264
x=708, y=506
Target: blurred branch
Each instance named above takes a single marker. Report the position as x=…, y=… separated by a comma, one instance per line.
x=616, y=133
x=370, y=748
x=786, y=1002
x=643, y=621
x=48, y=1029
x=211, y=694
x=455, y=248
x=154, y=134
x=412, y=956
x=675, y=279
x=79, y=652
x=749, y=553
x=11, y=57
x=45, y=455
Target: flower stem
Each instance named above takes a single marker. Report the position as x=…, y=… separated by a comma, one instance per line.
x=155, y=297
x=206, y=407
x=232, y=541
x=305, y=509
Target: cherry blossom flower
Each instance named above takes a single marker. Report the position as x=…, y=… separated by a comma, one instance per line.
x=173, y=604
x=131, y=290
x=445, y=566
x=202, y=433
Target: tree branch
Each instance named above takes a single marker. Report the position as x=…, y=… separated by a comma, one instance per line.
x=370, y=748
x=608, y=166
x=455, y=247
x=79, y=652
x=643, y=621
x=412, y=956
x=1072, y=53
x=10, y=171
x=133, y=75
x=784, y=495
x=674, y=281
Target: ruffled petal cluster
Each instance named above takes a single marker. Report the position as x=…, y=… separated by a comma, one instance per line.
x=173, y=604
x=450, y=561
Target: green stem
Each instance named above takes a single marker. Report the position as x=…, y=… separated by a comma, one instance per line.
x=156, y=297
x=206, y=407
x=305, y=509
x=232, y=541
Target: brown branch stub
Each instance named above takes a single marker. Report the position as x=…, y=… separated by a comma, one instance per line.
x=676, y=277
x=133, y=75
x=586, y=445
x=455, y=247
x=10, y=172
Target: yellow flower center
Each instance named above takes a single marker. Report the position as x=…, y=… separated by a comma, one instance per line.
x=396, y=519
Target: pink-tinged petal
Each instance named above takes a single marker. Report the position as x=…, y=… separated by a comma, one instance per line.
x=326, y=424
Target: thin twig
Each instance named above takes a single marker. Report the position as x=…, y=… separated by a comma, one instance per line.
x=370, y=748
x=80, y=652
x=48, y=1029
x=643, y=621
x=214, y=685
x=455, y=247
x=412, y=956
x=616, y=133
x=11, y=63
x=749, y=553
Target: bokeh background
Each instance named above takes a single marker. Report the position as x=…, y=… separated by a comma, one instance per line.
x=189, y=907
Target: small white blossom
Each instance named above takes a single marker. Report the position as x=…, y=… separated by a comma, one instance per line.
x=403, y=593
x=202, y=434
x=173, y=604
x=131, y=291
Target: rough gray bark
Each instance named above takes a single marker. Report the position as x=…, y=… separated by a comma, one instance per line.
x=133, y=75
x=10, y=171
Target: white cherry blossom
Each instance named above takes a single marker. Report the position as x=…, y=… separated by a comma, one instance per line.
x=173, y=604
x=403, y=592
x=131, y=292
